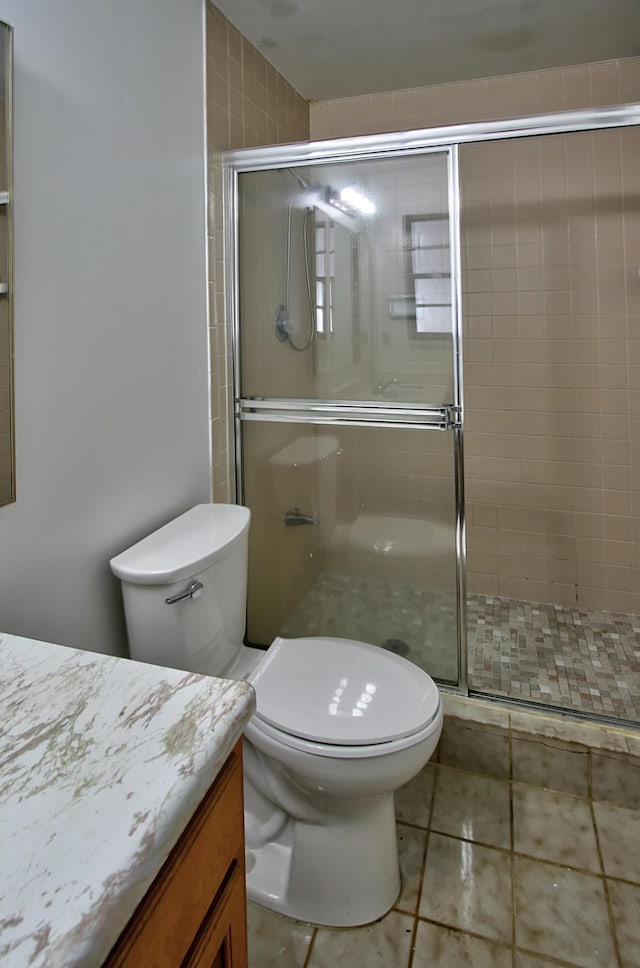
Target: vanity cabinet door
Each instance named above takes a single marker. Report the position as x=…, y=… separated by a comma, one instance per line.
x=222, y=942
x=194, y=913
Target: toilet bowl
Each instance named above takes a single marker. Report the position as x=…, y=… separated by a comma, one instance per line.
x=339, y=725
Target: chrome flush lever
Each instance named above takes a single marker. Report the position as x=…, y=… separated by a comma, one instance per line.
x=193, y=590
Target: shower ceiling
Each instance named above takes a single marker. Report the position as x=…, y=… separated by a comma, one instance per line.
x=341, y=48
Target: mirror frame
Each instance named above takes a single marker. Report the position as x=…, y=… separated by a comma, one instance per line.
x=6, y=200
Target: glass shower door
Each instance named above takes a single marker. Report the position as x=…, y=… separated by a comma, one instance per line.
x=348, y=403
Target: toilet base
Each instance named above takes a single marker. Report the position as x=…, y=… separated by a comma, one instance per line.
x=340, y=873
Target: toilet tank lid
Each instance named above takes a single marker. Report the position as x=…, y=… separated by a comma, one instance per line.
x=184, y=546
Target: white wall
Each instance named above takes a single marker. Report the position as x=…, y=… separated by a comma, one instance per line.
x=111, y=360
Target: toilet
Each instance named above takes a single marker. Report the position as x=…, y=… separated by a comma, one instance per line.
x=339, y=725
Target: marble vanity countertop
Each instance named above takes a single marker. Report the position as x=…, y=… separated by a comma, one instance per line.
x=103, y=761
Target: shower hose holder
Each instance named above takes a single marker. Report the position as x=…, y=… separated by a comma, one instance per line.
x=280, y=324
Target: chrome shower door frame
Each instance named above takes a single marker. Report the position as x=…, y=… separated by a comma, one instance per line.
x=447, y=418
x=393, y=145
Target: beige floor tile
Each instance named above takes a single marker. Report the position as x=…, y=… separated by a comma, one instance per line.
x=475, y=748
x=379, y=945
x=411, y=849
x=274, y=941
x=548, y=764
x=413, y=800
x=562, y=914
x=625, y=903
x=619, y=834
x=556, y=827
x=615, y=777
x=468, y=886
x=473, y=807
x=438, y=947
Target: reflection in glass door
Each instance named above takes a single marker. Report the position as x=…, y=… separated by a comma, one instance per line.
x=348, y=403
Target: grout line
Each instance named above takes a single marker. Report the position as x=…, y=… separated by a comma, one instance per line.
x=622, y=880
x=423, y=863
x=423, y=867
x=436, y=779
x=563, y=865
x=487, y=776
x=414, y=826
x=612, y=923
x=471, y=934
x=552, y=790
x=412, y=947
x=307, y=959
x=513, y=863
x=551, y=959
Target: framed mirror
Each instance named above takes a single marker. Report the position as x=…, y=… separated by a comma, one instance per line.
x=7, y=449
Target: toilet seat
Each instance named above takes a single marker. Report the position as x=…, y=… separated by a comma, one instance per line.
x=339, y=693
x=257, y=727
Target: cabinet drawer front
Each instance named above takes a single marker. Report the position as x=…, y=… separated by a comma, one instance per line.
x=170, y=914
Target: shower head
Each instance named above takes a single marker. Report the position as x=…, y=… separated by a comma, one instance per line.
x=301, y=181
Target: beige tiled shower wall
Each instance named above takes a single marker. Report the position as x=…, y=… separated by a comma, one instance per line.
x=248, y=104
x=551, y=249
x=513, y=95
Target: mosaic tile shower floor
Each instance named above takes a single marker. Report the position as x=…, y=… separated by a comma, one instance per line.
x=566, y=656
x=418, y=623
x=586, y=661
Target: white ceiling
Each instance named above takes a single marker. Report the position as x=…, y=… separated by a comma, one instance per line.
x=339, y=48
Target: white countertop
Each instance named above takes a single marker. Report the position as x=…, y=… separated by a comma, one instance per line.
x=102, y=763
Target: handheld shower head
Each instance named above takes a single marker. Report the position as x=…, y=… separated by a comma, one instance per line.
x=301, y=181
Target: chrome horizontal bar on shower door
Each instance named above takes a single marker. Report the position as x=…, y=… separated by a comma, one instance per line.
x=352, y=414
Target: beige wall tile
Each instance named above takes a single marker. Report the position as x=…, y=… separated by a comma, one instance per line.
x=248, y=103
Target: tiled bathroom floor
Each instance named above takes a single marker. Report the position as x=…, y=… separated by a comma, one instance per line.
x=585, y=661
x=495, y=874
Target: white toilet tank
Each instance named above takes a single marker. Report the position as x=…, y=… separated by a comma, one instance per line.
x=203, y=631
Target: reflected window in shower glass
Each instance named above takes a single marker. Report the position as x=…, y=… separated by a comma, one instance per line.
x=320, y=308
x=427, y=244
x=324, y=283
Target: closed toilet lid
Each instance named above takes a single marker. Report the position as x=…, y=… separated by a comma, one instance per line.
x=342, y=692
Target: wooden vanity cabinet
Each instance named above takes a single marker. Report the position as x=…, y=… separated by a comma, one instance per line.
x=194, y=915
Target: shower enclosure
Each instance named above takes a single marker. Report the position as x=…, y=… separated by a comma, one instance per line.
x=355, y=262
